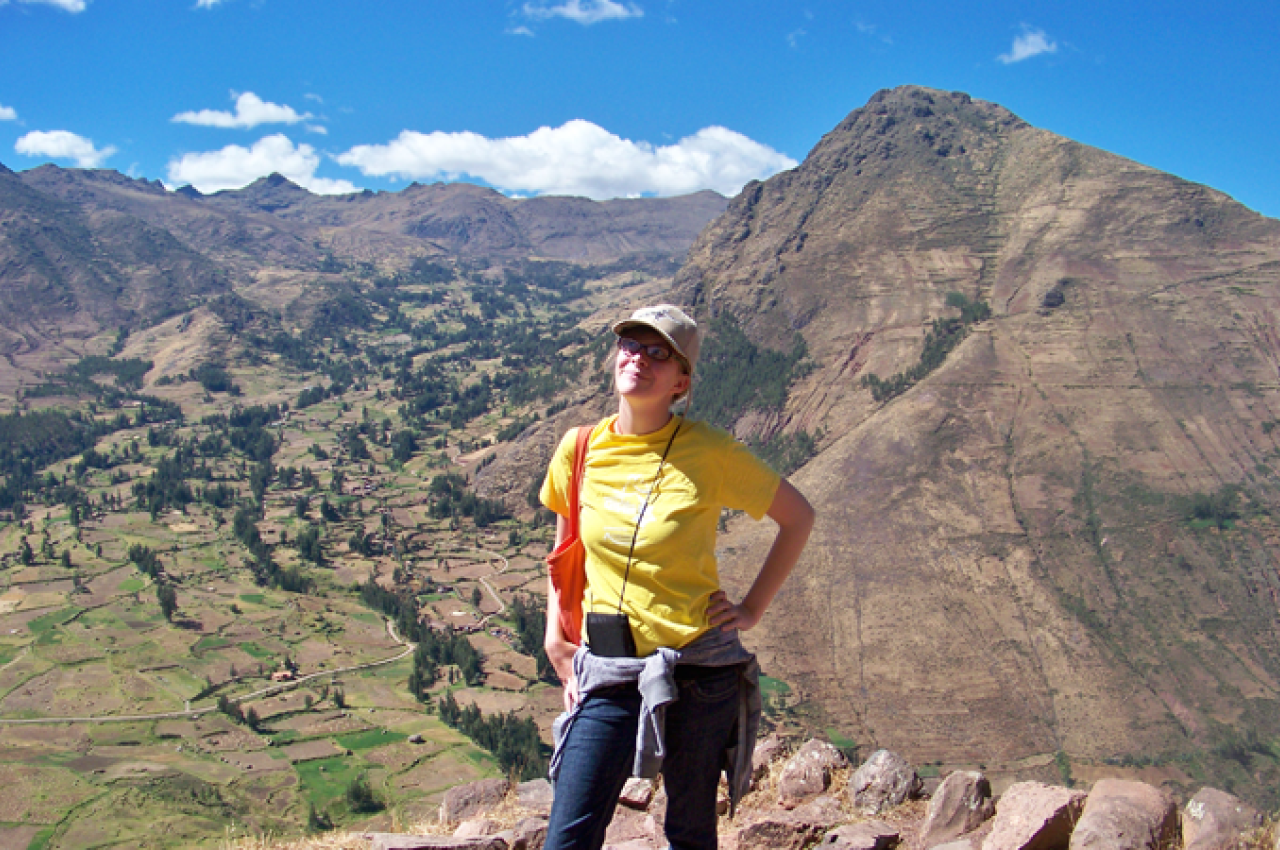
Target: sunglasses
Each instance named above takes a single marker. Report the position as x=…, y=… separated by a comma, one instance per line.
x=633, y=347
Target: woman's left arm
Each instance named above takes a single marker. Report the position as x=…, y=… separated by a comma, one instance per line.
x=794, y=516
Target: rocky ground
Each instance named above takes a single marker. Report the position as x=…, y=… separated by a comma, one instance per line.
x=814, y=796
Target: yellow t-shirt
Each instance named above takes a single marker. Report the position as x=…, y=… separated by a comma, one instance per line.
x=673, y=569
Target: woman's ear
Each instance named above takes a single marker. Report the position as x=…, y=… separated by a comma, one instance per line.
x=682, y=386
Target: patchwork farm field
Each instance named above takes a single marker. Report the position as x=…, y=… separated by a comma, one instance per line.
x=110, y=728
x=259, y=574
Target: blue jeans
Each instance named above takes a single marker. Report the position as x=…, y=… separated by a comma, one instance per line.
x=601, y=746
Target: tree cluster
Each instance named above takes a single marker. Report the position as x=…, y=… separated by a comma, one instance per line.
x=531, y=628
x=451, y=498
x=514, y=740
x=941, y=338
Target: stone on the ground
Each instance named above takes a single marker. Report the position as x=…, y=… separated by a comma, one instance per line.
x=658, y=808
x=1124, y=814
x=1034, y=816
x=529, y=834
x=396, y=841
x=883, y=781
x=635, y=844
x=477, y=828
x=767, y=751
x=961, y=803
x=637, y=793
x=808, y=772
x=824, y=811
x=789, y=830
x=779, y=831
x=1213, y=820
x=868, y=835
x=474, y=798
x=629, y=825
x=962, y=843
x=536, y=795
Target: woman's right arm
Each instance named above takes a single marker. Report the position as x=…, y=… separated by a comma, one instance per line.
x=559, y=650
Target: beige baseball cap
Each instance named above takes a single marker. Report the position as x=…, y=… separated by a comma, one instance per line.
x=680, y=332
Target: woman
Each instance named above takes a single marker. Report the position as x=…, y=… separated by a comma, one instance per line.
x=663, y=680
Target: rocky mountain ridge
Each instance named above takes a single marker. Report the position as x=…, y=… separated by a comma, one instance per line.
x=1008, y=567
x=814, y=796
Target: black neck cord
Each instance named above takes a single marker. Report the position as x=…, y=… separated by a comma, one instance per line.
x=644, y=507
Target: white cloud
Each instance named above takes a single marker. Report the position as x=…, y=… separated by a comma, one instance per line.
x=207, y=4
x=793, y=38
x=8, y=113
x=1032, y=42
x=60, y=144
x=578, y=158
x=319, y=129
x=585, y=12
x=872, y=31
x=64, y=5
x=235, y=166
x=521, y=30
x=251, y=111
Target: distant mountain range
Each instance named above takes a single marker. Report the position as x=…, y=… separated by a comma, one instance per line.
x=85, y=251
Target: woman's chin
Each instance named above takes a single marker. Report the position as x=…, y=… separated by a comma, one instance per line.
x=628, y=386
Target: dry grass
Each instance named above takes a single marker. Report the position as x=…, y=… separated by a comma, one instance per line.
x=328, y=841
x=506, y=815
x=1265, y=837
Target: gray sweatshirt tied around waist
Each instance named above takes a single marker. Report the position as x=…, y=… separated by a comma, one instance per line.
x=655, y=676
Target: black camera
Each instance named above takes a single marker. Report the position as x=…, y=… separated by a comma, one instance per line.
x=609, y=635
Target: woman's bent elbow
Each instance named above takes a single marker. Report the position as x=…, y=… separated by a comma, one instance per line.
x=791, y=510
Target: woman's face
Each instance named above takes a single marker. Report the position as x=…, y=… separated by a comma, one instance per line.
x=639, y=376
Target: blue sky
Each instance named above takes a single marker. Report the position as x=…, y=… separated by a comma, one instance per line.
x=611, y=97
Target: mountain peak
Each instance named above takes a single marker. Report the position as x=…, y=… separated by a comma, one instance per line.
x=914, y=120
x=276, y=179
x=270, y=193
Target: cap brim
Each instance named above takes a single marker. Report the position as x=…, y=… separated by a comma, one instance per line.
x=628, y=324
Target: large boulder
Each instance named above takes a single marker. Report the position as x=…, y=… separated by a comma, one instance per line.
x=477, y=828
x=474, y=798
x=766, y=752
x=808, y=773
x=867, y=835
x=883, y=781
x=1034, y=816
x=960, y=804
x=536, y=795
x=629, y=825
x=1123, y=814
x=791, y=830
x=529, y=834
x=1213, y=820
x=396, y=841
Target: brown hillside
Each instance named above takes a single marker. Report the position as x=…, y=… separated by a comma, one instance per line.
x=1003, y=568
x=68, y=271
